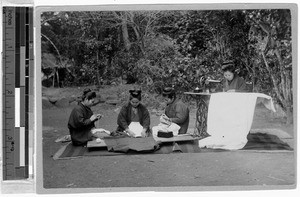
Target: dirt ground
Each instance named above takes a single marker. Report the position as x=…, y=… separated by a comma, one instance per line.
x=230, y=170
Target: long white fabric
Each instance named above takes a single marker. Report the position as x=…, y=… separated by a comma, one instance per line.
x=230, y=117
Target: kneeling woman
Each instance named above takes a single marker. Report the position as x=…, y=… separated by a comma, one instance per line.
x=134, y=112
x=82, y=119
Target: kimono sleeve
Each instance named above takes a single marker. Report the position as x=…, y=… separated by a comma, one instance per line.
x=146, y=118
x=181, y=113
x=241, y=85
x=122, y=118
x=80, y=120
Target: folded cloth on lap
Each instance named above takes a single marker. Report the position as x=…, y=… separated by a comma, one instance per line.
x=165, y=126
x=136, y=128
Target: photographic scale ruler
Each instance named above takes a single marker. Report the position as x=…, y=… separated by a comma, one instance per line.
x=17, y=95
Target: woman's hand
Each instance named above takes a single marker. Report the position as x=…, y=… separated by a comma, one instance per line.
x=129, y=132
x=144, y=134
x=96, y=117
x=167, y=119
x=99, y=116
x=93, y=118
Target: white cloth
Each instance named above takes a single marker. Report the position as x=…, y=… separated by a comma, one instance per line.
x=100, y=130
x=164, y=126
x=230, y=117
x=136, y=128
x=100, y=133
x=174, y=128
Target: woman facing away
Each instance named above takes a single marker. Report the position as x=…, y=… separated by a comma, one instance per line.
x=82, y=120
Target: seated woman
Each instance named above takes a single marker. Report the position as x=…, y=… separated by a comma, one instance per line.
x=134, y=118
x=176, y=111
x=82, y=119
x=232, y=82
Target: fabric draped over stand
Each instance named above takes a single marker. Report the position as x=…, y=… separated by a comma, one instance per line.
x=230, y=117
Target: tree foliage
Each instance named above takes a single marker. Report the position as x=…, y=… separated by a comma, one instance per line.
x=271, y=32
x=178, y=48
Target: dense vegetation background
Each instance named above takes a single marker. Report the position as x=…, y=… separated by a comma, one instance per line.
x=179, y=48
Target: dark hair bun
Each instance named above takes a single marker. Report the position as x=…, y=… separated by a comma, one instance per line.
x=228, y=66
x=86, y=90
x=135, y=93
x=87, y=93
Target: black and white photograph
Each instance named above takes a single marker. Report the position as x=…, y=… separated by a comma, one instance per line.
x=166, y=98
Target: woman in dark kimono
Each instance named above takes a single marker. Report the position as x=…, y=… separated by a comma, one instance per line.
x=232, y=82
x=82, y=119
x=176, y=111
x=133, y=111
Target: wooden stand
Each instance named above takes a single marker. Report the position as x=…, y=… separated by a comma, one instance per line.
x=202, y=100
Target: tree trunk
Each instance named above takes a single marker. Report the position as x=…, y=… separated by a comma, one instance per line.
x=57, y=77
x=286, y=87
x=98, y=65
x=125, y=33
x=289, y=115
x=283, y=93
x=273, y=78
x=53, y=80
x=139, y=38
x=253, y=79
x=58, y=53
x=54, y=75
